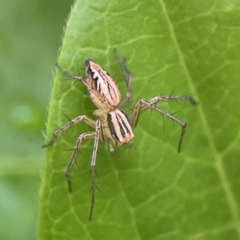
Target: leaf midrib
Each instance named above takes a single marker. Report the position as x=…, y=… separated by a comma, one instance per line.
x=218, y=163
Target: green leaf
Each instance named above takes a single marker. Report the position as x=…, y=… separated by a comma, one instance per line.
x=149, y=191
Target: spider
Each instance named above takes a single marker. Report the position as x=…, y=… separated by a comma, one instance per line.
x=112, y=126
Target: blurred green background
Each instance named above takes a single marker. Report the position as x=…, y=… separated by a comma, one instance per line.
x=30, y=37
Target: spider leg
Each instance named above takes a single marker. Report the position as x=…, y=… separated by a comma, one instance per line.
x=65, y=72
x=82, y=118
x=79, y=78
x=142, y=105
x=98, y=126
x=157, y=99
x=127, y=77
x=84, y=136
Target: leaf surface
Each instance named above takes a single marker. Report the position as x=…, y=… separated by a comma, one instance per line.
x=149, y=191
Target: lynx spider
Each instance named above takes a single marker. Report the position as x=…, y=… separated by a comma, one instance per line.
x=113, y=126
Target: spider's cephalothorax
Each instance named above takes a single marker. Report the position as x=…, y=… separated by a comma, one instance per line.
x=112, y=126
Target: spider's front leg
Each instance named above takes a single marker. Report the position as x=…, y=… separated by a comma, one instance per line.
x=84, y=136
x=142, y=105
x=98, y=126
x=82, y=118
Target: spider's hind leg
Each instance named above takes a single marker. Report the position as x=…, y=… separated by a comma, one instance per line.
x=127, y=77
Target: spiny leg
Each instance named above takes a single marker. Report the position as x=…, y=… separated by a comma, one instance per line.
x=79, y=78
x=127, y=77
x=74, y=121
x=93, y=164
x=82, y=137
x=142, y=105
x=70, y=75
x=138, y=109
x=157, y=99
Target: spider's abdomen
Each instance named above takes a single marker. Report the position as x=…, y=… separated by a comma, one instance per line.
x=119, y=128
x=103, y=83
